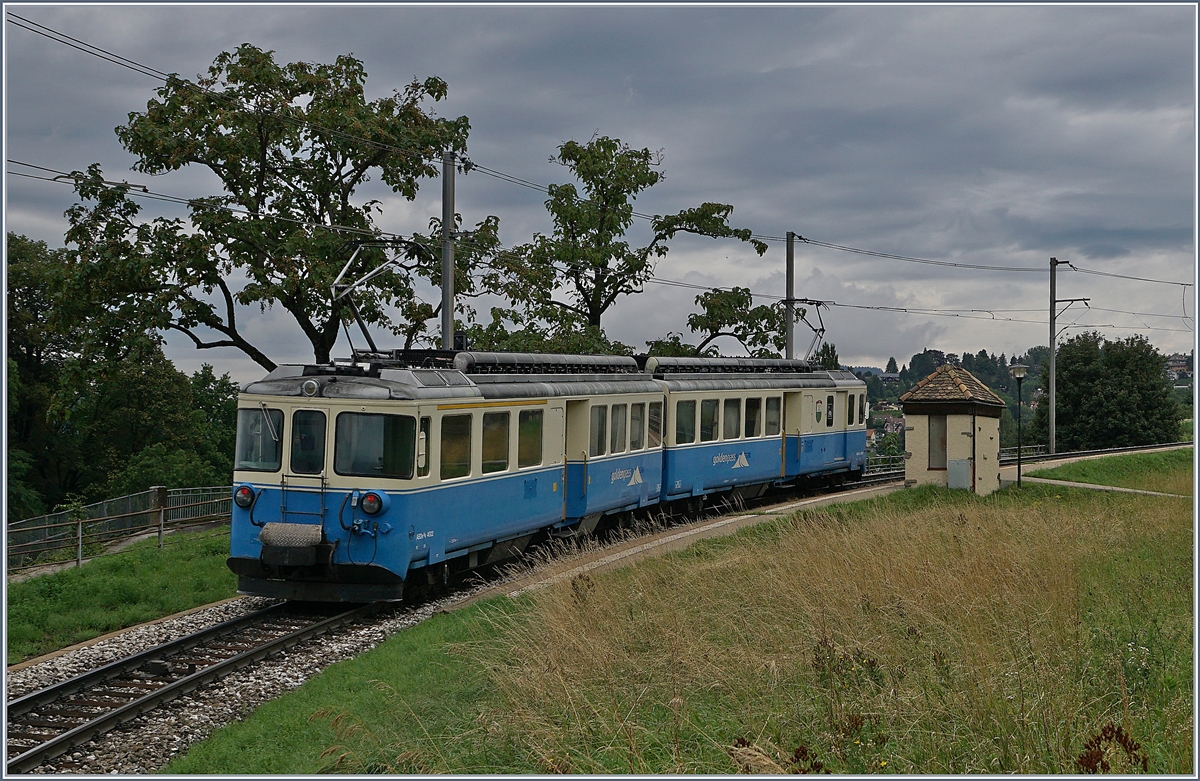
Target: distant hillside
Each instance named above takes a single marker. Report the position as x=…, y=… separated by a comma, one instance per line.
x=866, y=369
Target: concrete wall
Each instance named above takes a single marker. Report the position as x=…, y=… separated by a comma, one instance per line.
x=959, y=441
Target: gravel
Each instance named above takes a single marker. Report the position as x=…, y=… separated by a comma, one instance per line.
x=148, y=742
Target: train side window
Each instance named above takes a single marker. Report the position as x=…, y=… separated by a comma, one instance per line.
x=850, y=411
x=862, y=408
x=258, y=447
x=685, y=422
x=596, y=438
x=374, y=445
x=829, y=411
x=617, y=441
x=308, y=442
x=753, y=417
x=773, y=416
x=710, y=412
x=529, y=438
x=732, y=425
x=456, y=446
x=654, y=435
x=637, y=426
x=495, y=442
x=423, y=441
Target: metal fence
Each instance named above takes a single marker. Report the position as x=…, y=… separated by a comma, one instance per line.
x=91, y=529
x=877, y=464
x=1027, y=451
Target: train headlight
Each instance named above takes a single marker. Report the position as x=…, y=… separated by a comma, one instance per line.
x=371, y=503
x=244, y=496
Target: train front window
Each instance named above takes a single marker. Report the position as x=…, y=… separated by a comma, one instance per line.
x=773, y=416
x=308, y=442
x=685, y=422
x=637, y=426
x=753, y=417
x=850, y=411
x=370, y=445
x=710, y=413
x=456, y=446
x=654, y=435
x=495, y=442
x=599, y=428
x=529, y=438
x=259, y=445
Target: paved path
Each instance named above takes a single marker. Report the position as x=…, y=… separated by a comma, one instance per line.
x=1092, y=486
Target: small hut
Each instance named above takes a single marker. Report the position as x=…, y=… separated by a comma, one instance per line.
x=952, y=432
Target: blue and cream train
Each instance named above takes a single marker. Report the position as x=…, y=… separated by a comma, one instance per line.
x=354, y=478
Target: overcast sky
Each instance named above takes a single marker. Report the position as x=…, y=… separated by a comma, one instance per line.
x=983, y=135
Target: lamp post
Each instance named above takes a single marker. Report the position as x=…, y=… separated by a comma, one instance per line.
x=1018, y=371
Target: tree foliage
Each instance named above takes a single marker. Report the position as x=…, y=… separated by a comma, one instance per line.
x=92, y=423
x=575, y=274
x=1109, y=394
x=826, y=357
x=291, y=144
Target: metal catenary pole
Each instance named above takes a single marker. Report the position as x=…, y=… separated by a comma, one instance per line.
x=790, y=326
x=448, y=250
x=1053, y=312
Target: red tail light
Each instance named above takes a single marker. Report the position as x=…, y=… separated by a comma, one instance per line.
x=244, y=496
x=371, y=504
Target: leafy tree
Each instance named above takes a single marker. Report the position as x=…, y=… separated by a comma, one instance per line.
x=567, y=335
x=891, y=366
x=1109, y=394
x=290, y=144
x=826, y=357
x=586, y=265
x=759, y=329
x=672, y=345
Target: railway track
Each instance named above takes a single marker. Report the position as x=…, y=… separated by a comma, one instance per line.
x=46, y=723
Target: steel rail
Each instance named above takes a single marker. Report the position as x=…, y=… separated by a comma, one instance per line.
x=107, y=721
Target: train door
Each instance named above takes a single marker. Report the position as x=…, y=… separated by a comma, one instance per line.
x=576, y=458
x=797, y=428
x=836, y=415
x=556, y=448
x=303, y=484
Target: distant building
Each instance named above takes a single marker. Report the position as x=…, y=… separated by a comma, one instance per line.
x=889, y=377
x=893, y=425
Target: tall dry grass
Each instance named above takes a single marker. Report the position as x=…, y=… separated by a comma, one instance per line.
x=942, y=634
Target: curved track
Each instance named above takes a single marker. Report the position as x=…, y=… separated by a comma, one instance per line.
x=44, y=724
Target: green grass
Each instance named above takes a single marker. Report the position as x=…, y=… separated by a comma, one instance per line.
x=52, y=611
x=929, y=631
x=1168, y=471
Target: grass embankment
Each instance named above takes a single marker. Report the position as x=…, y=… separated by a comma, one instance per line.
x=1168, y=471
x=1041, y=631
x=52, y=611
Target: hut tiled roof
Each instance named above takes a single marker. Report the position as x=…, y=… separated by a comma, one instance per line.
x=952, y=384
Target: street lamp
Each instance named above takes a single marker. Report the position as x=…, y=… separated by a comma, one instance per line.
x=1018, y=371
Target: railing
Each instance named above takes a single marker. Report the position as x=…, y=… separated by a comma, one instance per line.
x=1027, y=451
x=877, y=464
x=89, y=530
